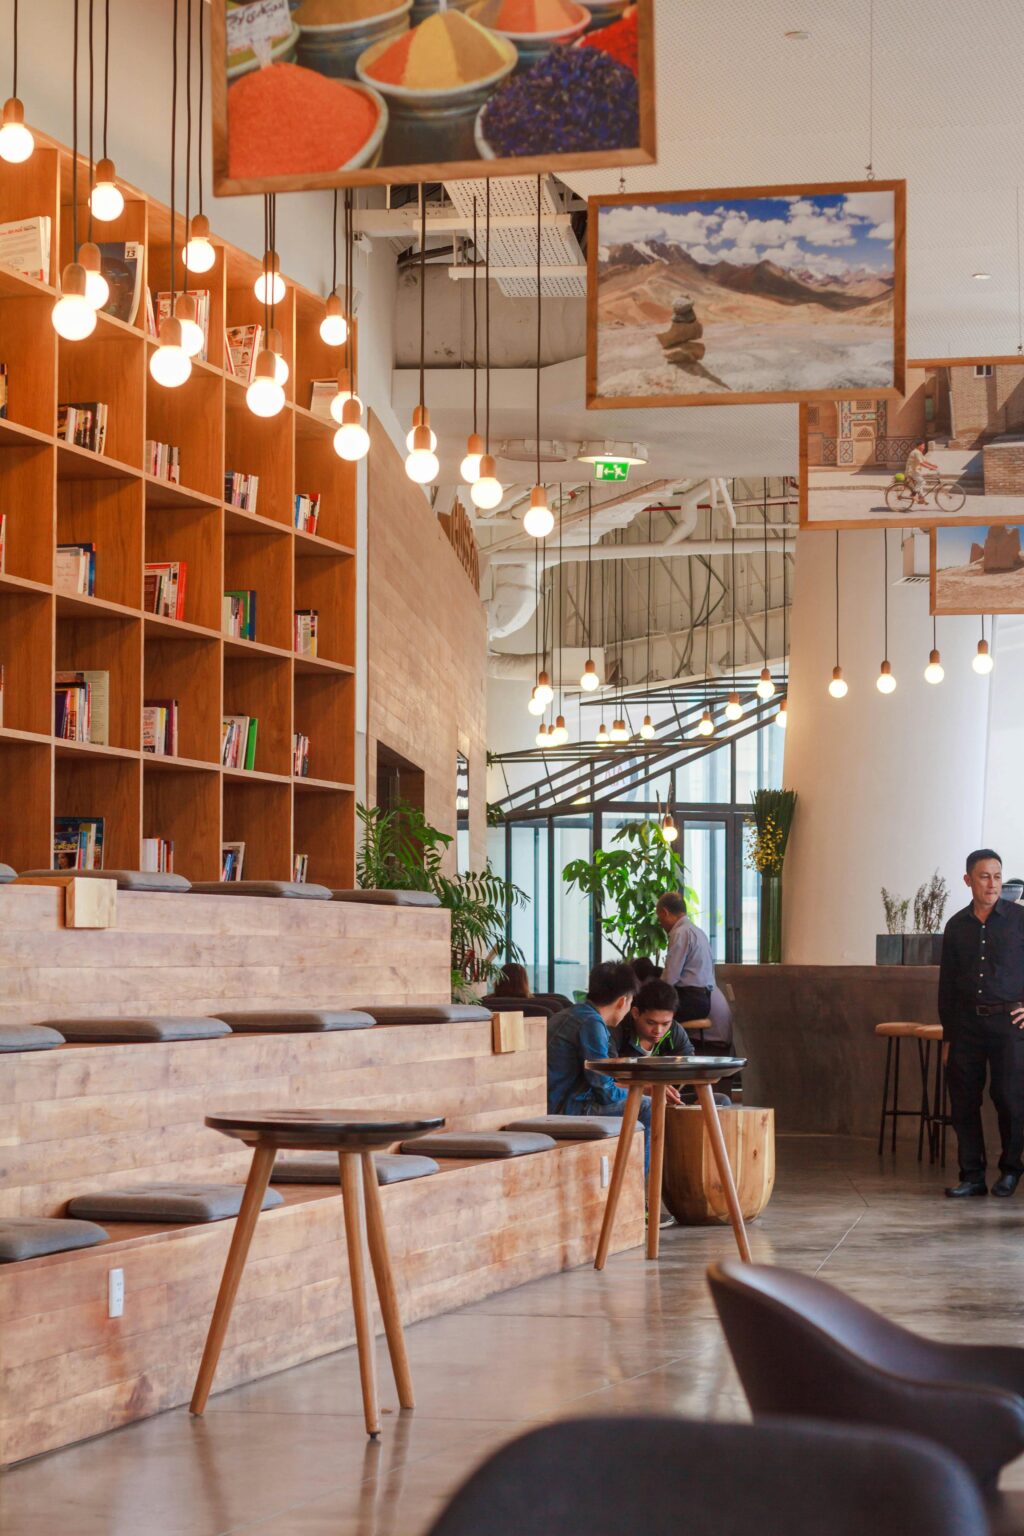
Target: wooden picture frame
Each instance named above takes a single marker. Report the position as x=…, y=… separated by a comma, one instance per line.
x=916, y=421
x=600, y=400
x=226, y=185
x=991, y=598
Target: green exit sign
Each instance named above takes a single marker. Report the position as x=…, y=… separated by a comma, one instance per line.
x=611, y=469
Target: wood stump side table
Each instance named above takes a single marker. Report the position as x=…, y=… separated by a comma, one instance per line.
x=658, y=1073
x=692, y=1188
x=353, y=1134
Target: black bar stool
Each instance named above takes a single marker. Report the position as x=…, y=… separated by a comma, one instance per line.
x=932, y=1033
x=894, y=1034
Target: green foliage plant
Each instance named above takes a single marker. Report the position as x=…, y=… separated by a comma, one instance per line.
x=627, y=880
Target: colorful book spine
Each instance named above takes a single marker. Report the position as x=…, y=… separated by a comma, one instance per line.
x=241, y=490
x=164, y=588
x=307, y=513
x=305, y=631
x=300, y=756
x=238, y=614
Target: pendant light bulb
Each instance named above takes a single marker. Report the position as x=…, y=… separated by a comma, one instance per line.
x=73, y=316
x=352, y=441
x=647, y=729
x=560, y=734
x=16, y=142
x=838, y=687
x=734, y=709
x=265, y=396
x=487, y=492
x=420, y=418
x=765, y=685
x=619, y=731
x=590, y=681
x=885, y=682
x=97, y=289
x=539, y=520
x=705, y=725
x=170, y=365
x=271, y=292
x=421, y=465
x=983, y=662
x=185, y=311
x=541, y=739
x=106, y=200
x=782, y=718
x=344, y=393
x=333, y=326
x=934, y=672
x=275, y=346
x=544, y=690
x=669, y=830
x=536, y=706
x=602, y=735
x=199, y=254
x=469, y=469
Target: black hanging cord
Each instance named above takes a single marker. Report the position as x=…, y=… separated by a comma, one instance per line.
x=538, y=332
x=590, y=588
x=650, y=577
x=885, y=591
x=74, y=141
x=476, y=254
x=837, y=597
x=732, y=542
x=785, y=593
x=272, y=285
x=174, y=131
x=350, y=351
x=91, y=110
x=14, y=51
x=561, y=597
x=935, y=633
x=266, y=267
x=106, y=69
x=202, y=84
x=764, y=510
x=423, y=285
x=188, y=133
x=707, y=635
x=334, y=245
x=487, y=319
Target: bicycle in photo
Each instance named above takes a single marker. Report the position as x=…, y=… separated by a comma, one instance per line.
x=946, y=494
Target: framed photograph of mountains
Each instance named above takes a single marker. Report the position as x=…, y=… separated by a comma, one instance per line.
x=949, y=450
x=977, y=569
x=746, y=295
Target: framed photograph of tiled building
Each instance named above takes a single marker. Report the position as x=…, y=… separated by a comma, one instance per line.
x=950, y=451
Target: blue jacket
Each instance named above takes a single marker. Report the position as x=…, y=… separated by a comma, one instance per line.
x=576, y=1035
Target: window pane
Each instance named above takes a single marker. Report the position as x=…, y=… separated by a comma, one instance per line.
x=573, y=921
x=704, y=857
x=705, y=781
x=611, y=822
x=530, y=924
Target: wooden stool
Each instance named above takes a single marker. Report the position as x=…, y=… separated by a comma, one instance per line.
x=894, y=1034
x=929, y=1033
x=659, y=1073
x=353, y=1134
x=692, y=1189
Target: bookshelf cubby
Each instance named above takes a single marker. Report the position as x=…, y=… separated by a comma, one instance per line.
x=56, y=493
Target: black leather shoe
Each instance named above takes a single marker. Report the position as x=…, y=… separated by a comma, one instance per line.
x=968, y=1187
x=1006, y=1185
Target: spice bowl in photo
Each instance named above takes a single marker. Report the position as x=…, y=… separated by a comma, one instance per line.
x=290, y=121
x=421, y=9
x=559, y=21
x=572, y=100
x=332, y=46
x=282, y=51
x=603, y=12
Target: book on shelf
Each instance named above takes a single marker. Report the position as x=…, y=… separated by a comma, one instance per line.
x=241, y=490
x=121, y=262
x=164, y=461
x=321, y=394
x=304, y=632
x=163, y=589
x=300, y=756
x=238, y=741
x=232, y=860
x=157, y=856
x=78, y=842
x=84, y=423
x=160, y=727
x=300, y=868
x=307, y=513
x=3, y=542
x=3, y=391
x=202, y=298
x=238, y=614
x=150, y=314
x=25, y=246
x=242, y=344
x=74, y=569
x=82, y=706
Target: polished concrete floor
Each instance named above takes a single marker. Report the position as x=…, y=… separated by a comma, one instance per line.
x=287, y=1456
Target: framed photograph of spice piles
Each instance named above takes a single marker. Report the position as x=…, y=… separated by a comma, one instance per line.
x=329, y=93
x=977, y=569
x=949, y=450
x=746, y=295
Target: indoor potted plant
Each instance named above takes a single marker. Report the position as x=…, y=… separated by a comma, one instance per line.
x=889, y=945
x=924, y=945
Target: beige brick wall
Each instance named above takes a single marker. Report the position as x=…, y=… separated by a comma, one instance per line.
x=1003, y=469
x=987, y=406
x=426, y=646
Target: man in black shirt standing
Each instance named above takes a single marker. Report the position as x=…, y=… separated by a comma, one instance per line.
x=981, y=1005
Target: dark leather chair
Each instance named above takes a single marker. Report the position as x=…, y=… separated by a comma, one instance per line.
x=661, y=1476
x=802, y=1347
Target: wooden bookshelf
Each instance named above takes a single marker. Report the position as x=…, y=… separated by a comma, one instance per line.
x=54, y=493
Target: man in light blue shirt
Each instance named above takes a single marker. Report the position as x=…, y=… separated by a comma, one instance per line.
x=688, y=964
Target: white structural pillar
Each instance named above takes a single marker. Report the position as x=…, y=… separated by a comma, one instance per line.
x=1003, y=826
x=891, y=787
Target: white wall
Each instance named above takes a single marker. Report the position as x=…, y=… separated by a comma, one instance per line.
x=890, y=787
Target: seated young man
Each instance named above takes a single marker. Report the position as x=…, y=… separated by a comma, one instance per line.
x=649, y=1029
x=583, y=1033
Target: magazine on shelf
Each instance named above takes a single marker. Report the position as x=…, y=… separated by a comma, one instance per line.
x=202, y=298
x=25, y=246
x=78, y=842
x=243, y=347
x=321, y=394
x=238, y=741
x=121, y=262
x=160, y=727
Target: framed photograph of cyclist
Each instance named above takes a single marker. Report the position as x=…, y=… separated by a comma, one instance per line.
x=951, y=450
x=978, y=569
x=745, y=295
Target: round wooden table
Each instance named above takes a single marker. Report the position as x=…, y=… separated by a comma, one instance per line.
x=658, y=1073
x=353, y=1134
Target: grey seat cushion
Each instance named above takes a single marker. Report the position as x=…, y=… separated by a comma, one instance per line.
x=28, y=1037
x=297, y=889
x=127, y=879
x=323, y=1168
x=390, y=898
x=158, y=1028
x=31, y=1237
x=570, y=1127
x=7, y=874
x=167, y=1202
x=428, y=1013
x=279, y=1021
x=477, y=1144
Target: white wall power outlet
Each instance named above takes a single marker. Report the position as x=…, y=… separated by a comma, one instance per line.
x=115, y=1293
x=605, y=1173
